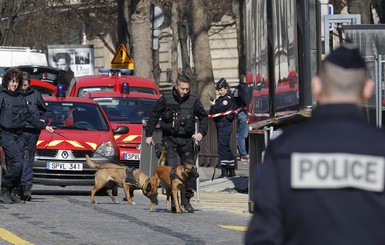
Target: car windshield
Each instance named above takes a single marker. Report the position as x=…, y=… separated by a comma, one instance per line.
x=145, y=90
x=126, y=110
x=71, y=115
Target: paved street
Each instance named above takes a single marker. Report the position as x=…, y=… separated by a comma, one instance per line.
x=64, y=216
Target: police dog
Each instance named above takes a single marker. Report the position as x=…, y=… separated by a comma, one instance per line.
x=117, y=173
x=173, y=180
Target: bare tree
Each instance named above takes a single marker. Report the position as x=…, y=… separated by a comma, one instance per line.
x=141, y=38
x=200, y=20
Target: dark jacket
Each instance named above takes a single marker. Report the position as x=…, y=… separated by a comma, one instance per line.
x=36, y=104
x=316, y=183
x=223, y=104
x=160, y=109
x=15, y=113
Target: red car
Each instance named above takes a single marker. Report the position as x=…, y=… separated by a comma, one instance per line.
x=81, y=127
x=129, y=109
x=111, y=82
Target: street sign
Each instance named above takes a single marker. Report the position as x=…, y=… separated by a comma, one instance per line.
x=330, y=12
x=122, y=59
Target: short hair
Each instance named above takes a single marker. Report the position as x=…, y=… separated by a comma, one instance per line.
x=26, y=76
x=183, y=79
x=9, y=75
x=59, y=56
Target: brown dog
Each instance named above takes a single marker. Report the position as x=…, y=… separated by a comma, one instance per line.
x=173, y=180
x=112, y=172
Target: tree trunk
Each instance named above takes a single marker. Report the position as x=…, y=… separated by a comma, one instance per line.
x=379, y=6
x=362, y=7
x=200, y=21
x=184, y=46
x=141, y=39
x=240, y=29
x=175, y=41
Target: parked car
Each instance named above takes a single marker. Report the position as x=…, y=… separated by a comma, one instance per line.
x=112, y=81
x=81, y=127
x=126, y=108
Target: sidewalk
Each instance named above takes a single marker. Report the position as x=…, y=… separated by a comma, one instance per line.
x=230, y=194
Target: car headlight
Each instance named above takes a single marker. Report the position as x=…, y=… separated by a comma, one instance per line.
x=106, y=149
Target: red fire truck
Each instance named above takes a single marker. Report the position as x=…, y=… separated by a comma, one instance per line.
x=126, y=108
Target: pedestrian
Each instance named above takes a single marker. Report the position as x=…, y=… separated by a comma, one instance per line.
x=225, y=102
x=177, y=110
x=14, y=113
x=31, y=134
x=322, y=181
x=242, y=95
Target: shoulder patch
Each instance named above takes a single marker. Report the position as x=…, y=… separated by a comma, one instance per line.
x=225, y=102
x=337, y=170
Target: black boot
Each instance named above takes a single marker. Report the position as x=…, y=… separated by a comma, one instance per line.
x=26, y=193
x=224, y=172
x=14, y=196
x=231, y=172
x=5, y=196
x=187, y=204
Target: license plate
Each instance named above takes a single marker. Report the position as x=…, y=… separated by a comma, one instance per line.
x=64, y=166
x=131, y=156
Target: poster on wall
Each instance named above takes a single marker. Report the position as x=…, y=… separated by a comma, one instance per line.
x=76, y=60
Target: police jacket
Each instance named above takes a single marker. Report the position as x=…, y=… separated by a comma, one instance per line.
x=223, y=104
x=36, y=104
x=322, y=182
x=177, y=115
x=15, y=113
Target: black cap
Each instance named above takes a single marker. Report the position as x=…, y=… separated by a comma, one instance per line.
x=221, y=83
x=347, y=56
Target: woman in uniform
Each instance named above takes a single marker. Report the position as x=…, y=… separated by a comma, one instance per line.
x=14, y=114
x=224, y=103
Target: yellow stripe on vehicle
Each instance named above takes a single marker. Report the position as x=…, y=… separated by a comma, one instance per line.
x=75, y=143
x=93, y=145
x=131, y=137
x=39, y=142
x=54, y=142
x=235, y=227
x=12, y=238
x=116, y=136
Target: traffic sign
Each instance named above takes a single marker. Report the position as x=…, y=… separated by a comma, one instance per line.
x=122, y=59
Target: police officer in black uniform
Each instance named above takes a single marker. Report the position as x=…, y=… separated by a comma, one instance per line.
x=224, y=103
x=14, y=113
x=177, y=110
x=31, y=134
x=322, y=181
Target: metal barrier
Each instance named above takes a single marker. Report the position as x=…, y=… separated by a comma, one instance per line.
x=208, y=155
x=257, y=139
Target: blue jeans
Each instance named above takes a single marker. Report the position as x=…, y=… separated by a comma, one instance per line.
x=242, y=133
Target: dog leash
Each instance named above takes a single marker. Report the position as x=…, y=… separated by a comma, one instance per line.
x=112, y=160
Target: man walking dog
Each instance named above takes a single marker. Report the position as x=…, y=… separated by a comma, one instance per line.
x=177, y=110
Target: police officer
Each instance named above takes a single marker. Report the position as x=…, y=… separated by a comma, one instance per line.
x=177, y=110
x=322, y=181
x=224, y=103
x=14, y=113
x=31, y=134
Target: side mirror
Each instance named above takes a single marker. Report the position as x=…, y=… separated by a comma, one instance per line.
x=121, y=130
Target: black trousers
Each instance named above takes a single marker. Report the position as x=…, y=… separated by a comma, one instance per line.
x=13, y=145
